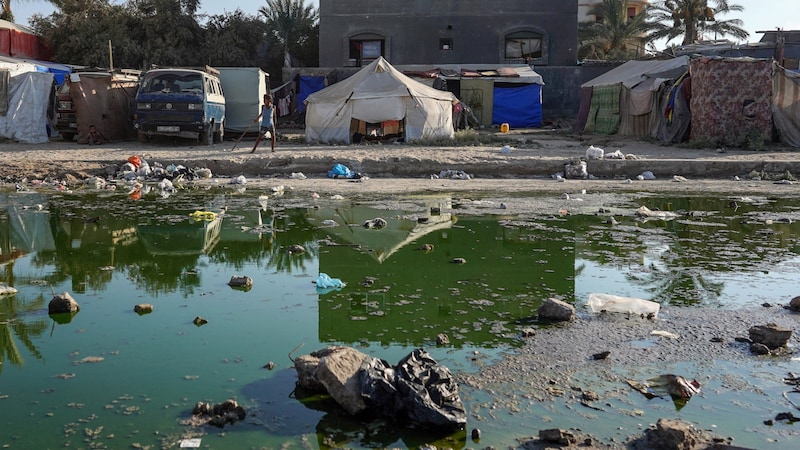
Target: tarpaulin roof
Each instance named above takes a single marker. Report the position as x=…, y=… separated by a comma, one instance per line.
x=634, y=72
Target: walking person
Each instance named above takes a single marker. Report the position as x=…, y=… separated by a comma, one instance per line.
x=268, y=118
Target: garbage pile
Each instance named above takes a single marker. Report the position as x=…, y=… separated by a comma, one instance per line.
x=418, y=390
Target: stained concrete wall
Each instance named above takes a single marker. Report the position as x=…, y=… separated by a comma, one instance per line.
x=412, y=29
x=562, y=88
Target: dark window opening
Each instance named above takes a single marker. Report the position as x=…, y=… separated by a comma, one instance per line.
x=523, y=45
x=366, y=50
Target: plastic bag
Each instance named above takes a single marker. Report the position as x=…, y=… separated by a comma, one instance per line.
x=340, y=171
x=327, y=284
x=615, y=303
x=594, y=152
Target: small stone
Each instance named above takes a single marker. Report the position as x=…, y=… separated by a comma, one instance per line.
x=458, y=261
x=759, y=349
x=199, y=321
x=601, y=355
x=296, y=249
x=476, y=434
x=143, y=308
x=269, y=366
x=442, y=339
x=237, y=281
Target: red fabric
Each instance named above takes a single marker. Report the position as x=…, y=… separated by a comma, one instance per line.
x=731, y=99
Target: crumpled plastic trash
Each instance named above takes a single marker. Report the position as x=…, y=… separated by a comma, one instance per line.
x=616, y=154
x=298, y=176
x=239, y=180
x=327, y=284
x=630, y=305
x=646, y=175
x=454, y=175
x=646, y=212
x=506, y=149
x=594, y=152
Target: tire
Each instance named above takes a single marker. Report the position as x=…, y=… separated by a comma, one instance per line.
x=207, y=136
x=220, y=134
x=69, y=137
x=143, y=137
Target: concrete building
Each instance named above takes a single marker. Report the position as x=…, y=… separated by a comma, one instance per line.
x=634, y=8
x=538, y=32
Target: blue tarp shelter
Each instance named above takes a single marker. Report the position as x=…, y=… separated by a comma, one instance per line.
x=308, y=85
x=518, y=105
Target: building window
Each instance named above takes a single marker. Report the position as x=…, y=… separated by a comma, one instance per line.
x=366, y=49
x=523, y=45
x=631, y=12
x=445, y=43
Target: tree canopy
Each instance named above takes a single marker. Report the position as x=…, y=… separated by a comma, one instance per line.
x=614, y=36
x=174, y=33
x=694, y=20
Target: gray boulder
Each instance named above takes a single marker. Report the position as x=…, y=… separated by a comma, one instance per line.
x=63, y=303
x=794, y=304
x=338, y=372
x=770, y=335
x=556, y=310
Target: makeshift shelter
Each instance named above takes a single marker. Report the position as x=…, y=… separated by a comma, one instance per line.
x=25, y=95
x=509, y=94
x=105, y=100
x=786, y=105
x=244, y=88
x=626, y=99
x=375, y=102
x=731, y=99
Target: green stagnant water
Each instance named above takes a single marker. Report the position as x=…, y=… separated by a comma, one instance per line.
x=110, y=378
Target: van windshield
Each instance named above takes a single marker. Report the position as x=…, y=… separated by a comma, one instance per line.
x=170, y=82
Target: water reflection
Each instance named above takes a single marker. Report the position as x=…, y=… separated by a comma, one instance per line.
x=111, y=253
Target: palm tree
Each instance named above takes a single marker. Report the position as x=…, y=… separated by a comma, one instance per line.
x=616, y=35
x=287, y=19
x=694, y=18
x=7, y=14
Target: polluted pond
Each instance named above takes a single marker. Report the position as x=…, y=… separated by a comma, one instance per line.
x=219, y=316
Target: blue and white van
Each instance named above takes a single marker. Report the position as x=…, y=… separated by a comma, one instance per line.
x=181, y=102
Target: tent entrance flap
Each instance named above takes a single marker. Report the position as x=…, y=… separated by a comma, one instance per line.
x=377, y=131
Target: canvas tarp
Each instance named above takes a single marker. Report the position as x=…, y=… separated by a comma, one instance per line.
x=244, y=89
x=378, y=93
x=107, y=102
x=786, y=105
x=637, y=85
x=731, y=99
x=28, y=97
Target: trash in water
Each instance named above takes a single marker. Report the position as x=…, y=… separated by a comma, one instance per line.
x=644, y=211
x=677, y=387
x=646, y=175
x=327, y=284
x=630, y=305
x=191, y=443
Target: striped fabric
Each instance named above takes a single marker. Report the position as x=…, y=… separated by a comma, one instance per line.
x=604, y=111
x=786, y=105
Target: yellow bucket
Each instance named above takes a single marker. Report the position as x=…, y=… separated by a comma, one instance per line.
x=504, y=128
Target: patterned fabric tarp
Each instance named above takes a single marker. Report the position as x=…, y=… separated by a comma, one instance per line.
x=786, y=105
x=604, y=111
x=731, y=99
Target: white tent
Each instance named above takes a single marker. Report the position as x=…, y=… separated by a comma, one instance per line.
x=26, y=92
x=378, y=93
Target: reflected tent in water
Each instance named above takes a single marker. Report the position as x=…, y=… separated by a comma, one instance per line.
x=400, y=230
x=191, y=237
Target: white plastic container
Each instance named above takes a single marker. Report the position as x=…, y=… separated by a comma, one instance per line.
x=615, y=303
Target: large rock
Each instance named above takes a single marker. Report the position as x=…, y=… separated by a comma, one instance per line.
x=794, y=304
x=339, y=371
x=675, y=434
x=63, y=303
x=770, y=335
x=556, y=310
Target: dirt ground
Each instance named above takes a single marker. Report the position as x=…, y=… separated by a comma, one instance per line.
x=532, y=158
